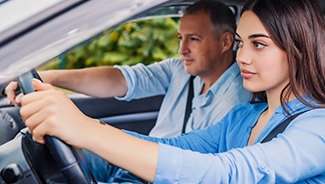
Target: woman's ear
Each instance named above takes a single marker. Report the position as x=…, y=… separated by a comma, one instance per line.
x=227, y=40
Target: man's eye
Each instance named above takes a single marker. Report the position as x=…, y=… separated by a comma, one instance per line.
x=239, y=43
x=194, y=39
x=180, y=38
x=258, y=45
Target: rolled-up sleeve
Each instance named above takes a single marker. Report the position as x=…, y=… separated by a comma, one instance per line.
x=144, y=81
x=129, y=74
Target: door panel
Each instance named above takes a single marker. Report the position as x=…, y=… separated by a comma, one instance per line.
x=137, y=115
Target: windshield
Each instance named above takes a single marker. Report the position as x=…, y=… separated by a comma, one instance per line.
x=14, y=12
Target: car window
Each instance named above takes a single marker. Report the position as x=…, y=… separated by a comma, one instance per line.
x=144, y=39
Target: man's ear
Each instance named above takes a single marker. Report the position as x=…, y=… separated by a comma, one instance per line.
x=227, y=40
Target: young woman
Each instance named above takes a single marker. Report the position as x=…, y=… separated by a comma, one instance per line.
x=281, y=56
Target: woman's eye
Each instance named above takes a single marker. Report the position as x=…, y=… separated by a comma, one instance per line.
x=258, y=45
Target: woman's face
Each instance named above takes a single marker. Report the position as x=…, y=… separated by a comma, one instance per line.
x=263, y=65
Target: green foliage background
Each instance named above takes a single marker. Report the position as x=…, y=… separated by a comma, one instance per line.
x=144, y=41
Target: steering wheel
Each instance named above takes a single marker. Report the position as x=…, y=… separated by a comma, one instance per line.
x=71, y=161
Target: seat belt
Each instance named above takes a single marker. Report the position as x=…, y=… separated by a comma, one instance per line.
x=188, y=109
x=281, y=127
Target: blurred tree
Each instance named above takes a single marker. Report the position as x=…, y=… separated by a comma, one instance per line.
x=144, y=41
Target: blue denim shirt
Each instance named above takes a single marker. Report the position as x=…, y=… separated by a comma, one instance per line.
x=218, y=154
x=169, y=78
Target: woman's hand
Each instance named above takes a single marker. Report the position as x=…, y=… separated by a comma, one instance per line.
x=51, y=112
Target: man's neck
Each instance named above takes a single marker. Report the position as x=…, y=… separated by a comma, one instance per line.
x=211, y=78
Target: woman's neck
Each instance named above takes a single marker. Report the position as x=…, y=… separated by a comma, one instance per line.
x=273, y=99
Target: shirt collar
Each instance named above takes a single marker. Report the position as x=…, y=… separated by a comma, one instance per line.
x=294, y=106
x=222, y=84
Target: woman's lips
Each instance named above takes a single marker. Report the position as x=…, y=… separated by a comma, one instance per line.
x=247, y=74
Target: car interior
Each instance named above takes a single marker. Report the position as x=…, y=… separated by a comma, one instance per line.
x=62, y=27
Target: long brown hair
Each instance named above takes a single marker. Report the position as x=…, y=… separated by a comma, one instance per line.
x=297, y=27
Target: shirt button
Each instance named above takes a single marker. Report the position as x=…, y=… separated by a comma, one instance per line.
x=264, y=168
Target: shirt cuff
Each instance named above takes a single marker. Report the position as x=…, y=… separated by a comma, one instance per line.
x=130, y=78
x=169, y=160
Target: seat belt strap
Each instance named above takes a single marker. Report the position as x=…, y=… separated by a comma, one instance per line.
x=188, y=109
x=281, y=127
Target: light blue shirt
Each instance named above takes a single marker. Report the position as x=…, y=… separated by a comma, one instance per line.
x=169, y=78
x=219, y=153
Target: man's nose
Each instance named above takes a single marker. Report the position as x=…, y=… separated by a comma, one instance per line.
x=183, y=47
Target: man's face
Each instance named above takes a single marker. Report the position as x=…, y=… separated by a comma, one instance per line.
x=199, y=48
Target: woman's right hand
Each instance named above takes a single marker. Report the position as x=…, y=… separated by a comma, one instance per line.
x=10, y=90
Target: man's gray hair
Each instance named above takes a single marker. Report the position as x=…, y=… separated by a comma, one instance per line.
x=222, y=18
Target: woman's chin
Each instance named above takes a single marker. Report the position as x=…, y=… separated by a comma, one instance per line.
x=253, y=88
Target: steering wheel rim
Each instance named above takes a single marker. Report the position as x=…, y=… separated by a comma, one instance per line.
x=71, y=161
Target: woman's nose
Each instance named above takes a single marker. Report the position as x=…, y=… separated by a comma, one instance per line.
x=243, y=57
